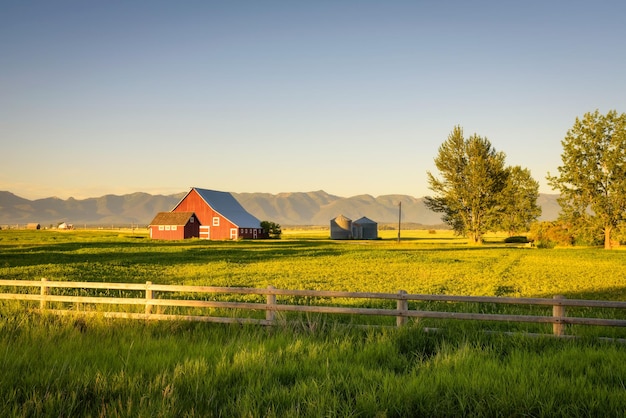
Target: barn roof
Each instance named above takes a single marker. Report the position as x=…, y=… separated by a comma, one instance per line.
x=228, y=207
x=172, y=218
x=364, y=220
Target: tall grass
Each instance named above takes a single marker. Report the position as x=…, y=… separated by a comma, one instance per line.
x=56, y=366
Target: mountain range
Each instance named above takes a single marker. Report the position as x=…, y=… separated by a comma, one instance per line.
x=286, y=209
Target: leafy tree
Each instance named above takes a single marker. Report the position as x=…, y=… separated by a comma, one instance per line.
x=592, y=179
x=272, y=228
x=473, y=177
x=519, y=201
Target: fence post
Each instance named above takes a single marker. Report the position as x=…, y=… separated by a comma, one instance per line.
x=558, y=311
x=402, y=306
x=271, y=300
x=44, y=293
x=149, y=295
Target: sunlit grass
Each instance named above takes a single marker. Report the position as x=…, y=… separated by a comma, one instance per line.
x=314, y=365
x=422, y=262
x=68, y=367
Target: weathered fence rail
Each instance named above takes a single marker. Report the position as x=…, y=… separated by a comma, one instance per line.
x=41, y=290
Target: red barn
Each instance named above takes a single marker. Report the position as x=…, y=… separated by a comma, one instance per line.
x=174, y=225
x=221, y=216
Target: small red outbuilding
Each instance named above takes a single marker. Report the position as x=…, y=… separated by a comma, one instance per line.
x=174, y=225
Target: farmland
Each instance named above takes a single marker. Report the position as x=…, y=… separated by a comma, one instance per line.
x=66, y=366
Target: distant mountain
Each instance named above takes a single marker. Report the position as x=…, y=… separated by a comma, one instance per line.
x=310, y=208
x=134, y=208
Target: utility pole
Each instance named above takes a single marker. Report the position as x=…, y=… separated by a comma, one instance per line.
x=399, y=219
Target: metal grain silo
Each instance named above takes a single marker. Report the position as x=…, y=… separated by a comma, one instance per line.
x=340, y=228
x=364, y=228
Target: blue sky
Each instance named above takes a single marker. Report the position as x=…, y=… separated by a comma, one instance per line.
x=350, y=97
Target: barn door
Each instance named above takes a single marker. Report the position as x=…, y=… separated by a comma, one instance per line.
x=205, y=232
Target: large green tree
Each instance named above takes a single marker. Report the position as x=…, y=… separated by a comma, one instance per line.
x=519, y=201
x=592, y=179
x=473, y=176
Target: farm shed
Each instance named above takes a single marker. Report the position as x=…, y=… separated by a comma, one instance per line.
x=33, y=225
x=364, y=228
x=341, y=228
x=174, y=225
x=221, y=216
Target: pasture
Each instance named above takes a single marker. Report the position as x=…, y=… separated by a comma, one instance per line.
x=69, y=366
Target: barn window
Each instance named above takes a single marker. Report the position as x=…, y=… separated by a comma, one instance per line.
x=161, y=227
x=167, y=227
x=174, y=227
x=191, y=220
x=216, y=221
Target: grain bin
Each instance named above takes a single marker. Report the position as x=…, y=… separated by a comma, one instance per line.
x=364, y=228
x=340, y=228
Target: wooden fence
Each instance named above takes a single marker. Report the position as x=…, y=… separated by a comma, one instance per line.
x=154, y=298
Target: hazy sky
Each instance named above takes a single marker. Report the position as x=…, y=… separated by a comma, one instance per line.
x=350, y=97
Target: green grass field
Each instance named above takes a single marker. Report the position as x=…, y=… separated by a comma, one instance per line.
x=75, y=366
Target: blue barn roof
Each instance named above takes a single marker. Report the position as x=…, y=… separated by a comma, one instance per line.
x=228, y=207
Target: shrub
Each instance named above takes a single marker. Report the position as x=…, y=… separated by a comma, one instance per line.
x=273, y=229
x=551, y=234
x=545, y=243
x=518, y=239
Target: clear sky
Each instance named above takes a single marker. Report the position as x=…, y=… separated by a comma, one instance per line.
x=350, y=97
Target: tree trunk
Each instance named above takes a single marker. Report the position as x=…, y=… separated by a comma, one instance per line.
x=607, y=237
x=474, y=238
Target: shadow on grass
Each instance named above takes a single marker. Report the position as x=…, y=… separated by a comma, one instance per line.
x=160, y=252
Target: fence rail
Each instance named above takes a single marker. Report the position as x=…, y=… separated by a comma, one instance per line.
x=272, y=305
